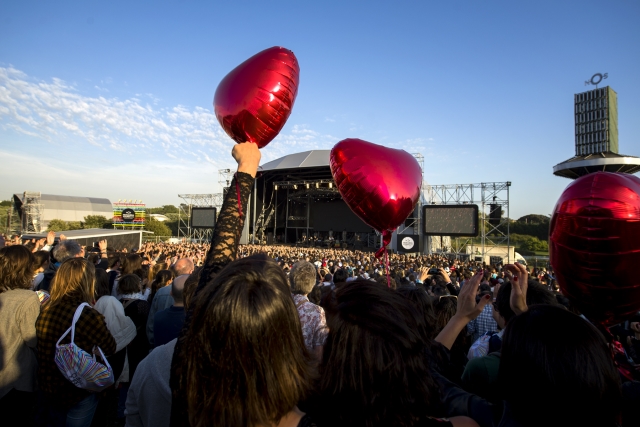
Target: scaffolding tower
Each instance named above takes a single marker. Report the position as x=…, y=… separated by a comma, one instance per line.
x=184, y=215
x=492, y=199
x=32, y=210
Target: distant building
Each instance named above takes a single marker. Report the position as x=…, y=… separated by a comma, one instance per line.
x=36, y=209
x=596, y=137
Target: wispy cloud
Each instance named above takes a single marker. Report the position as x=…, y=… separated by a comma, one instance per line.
x=55, y=110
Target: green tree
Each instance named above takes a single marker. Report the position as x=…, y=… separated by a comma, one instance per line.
x=57, y=225
x=534, y=219
x=95, y=221
x=74, y=225
x=157, y=227
x=5, y=204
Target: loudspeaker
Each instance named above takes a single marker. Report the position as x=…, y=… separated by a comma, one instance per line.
x=269, y=238
x=495, y=214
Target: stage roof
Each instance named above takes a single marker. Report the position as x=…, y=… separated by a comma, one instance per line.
x=306, y=159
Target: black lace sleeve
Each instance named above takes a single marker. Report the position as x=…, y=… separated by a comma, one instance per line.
x=224, y=248
x=224, y=243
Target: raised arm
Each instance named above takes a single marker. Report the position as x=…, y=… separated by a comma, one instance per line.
x=224, y=243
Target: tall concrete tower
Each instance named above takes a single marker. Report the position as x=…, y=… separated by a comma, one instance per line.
x=596, y=130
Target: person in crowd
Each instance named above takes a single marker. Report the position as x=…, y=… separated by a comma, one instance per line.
x=545, y=349
x=485, y=322
x=481, y=373
x=375, y=368
x=64, y=250
x=149, y=397
x=121, y=327
x=242, y=330
x=136, y=307
x=41, y=260
x=60, y=402
x=161, y=279
x=312, y=318
x=163, y=300
x=19, y=309
x=132, y=264
x=445, y=307
x=419, y=299
x=167, y=323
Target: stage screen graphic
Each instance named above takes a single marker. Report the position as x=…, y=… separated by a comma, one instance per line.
x=335, y=215
x=450, y=220
x=203, y=217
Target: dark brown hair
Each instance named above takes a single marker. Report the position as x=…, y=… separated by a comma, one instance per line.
x=129, y=284
x=245, y=362
x=132, y=264
x=551, y=349
x=102, y=283
x=15, y=268
x=375, y=362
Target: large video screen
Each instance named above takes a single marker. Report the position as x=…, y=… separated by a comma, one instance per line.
x=450, y=220
x=203, y=217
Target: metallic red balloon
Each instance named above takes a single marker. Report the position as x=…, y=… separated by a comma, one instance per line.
x=594, y=245
x=381, y=185
x=254, y=101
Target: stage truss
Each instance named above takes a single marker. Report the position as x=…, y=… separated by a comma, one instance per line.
x=490, y=197
x=184, y=215
x=32, y=210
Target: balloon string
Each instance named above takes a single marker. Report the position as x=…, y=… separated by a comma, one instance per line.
x=386, y=239
x=238, y=196
x=386, y=263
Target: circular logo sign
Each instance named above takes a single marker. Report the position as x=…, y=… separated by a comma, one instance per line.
x=128, y=214
x=407, y=243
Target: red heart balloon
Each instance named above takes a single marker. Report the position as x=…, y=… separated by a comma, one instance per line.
x=594, y=245
x=381, y=185
x=254, y=101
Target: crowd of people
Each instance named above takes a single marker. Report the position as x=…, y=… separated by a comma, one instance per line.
x=231, y=335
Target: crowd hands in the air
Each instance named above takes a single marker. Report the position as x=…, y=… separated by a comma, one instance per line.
x=290, y=336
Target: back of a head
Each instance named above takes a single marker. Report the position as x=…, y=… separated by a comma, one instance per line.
x=66, y=249
x=536, y=294
x=340, y=276
x=132, y=264
x=16, y=264
x=41, y=259
x=183, y=266
x=245, y=363
x=551, y=350
x=374, y=369
x=129, y=284
x=74, y=281
x=302, y=277
x=422, y=302
x=445, y=307
x=102, y=283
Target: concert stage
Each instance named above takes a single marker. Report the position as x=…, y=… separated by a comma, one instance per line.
x=296, y=202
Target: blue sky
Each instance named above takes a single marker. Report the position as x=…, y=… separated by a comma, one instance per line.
x=114, y=99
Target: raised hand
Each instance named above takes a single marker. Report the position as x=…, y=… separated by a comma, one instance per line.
x=519, y=277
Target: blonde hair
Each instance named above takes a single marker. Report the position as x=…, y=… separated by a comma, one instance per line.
x=74, y=279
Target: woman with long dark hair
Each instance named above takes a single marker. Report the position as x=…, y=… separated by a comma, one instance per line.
x=240, y=359
x=375, y=368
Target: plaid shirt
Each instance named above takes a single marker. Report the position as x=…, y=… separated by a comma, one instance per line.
x=483, y=323
x=91, y=330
